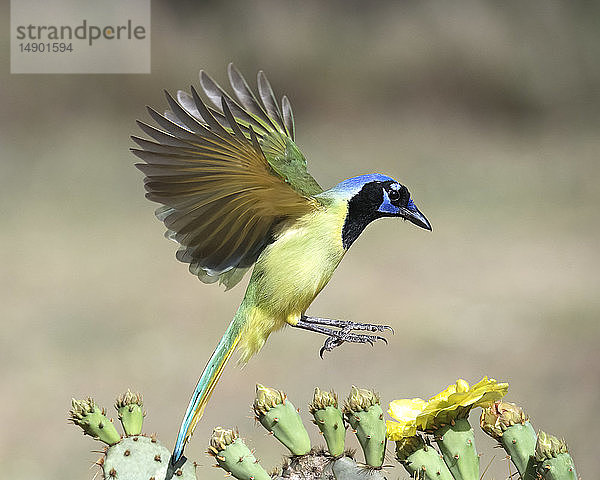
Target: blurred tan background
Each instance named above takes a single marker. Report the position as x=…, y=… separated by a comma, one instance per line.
x=489, y=114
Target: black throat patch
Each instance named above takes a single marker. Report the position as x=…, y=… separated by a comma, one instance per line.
x=362, y=210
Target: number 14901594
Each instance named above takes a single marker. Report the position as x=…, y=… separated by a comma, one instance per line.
x=47, y=47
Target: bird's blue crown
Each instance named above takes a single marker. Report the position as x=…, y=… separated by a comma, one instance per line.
x=350, y=187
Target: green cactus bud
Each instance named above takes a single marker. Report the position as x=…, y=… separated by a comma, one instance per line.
x=142, y=458
x=509, y=424
x=92, y=420
x=328, y=417
x=322, y=400
x=457, y=444
x=554, y=460
x=279, y=416
x=363, y=412
x=500, y=415
x=234, y=456
x=361, y=399
x=420, y=460
x=548, y=446
x=129, y=407
x=267, y=398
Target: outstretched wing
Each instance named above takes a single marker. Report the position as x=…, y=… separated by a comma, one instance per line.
x=274, y=125
x=226, y=177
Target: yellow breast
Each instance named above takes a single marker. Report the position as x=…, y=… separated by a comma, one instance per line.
x=291, y=272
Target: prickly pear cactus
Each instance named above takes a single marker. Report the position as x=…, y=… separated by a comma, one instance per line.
x=279, y=416
x=510, y=426
x=421, y=460
x=92, y=420
x=553, y=459
x=328, y=417
x=457, y=444
x=417, y=427
x=364, y=414
x=133, y=456
x=234, y=456
x=130, y=409
x=141, y=457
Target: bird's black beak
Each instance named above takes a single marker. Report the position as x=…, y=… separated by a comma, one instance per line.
x=416, y=217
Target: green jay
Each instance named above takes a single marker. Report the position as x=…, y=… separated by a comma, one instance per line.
x=235, y=193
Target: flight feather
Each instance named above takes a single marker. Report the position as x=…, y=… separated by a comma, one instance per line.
x=228, y=175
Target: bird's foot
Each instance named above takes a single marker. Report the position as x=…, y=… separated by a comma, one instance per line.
x=344, y=334
x=339, y=337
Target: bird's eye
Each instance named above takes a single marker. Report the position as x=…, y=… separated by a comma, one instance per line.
x=394, y=193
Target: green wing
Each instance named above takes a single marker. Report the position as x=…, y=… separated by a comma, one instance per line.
x=273, y=124
x=227, y=177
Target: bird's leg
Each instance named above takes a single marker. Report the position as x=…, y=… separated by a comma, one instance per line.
x=346, y=324
x=344, y=334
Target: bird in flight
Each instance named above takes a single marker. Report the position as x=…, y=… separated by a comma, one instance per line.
x=235, y=193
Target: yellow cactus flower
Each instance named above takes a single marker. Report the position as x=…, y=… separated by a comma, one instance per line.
x=457, y=400
x=405, y=411
x=460, y=386
x=396, y=431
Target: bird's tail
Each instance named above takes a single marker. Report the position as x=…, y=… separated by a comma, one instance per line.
x=206, y=384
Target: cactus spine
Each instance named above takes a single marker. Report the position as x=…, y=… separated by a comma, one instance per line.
x=509, y=425
x=457, y=444
x=363, y=412
x=279, y=416
x=553, y=459
x=420, y=460
x=234, y=456
x=129, y=407
x=328, y=417
x=92, y=420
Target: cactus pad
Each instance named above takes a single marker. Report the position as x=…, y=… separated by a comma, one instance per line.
x=554, y=460
x=92, y=420
x=509, y=424
x=234, y=456
x=142, y=458
x=560, y=467
x=420, y=460
x=279, y=416
x=129, y=407
x=457, y=444
x=364, y=414
x=328, y=417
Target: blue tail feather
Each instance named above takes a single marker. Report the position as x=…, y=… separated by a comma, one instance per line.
x=205, y=386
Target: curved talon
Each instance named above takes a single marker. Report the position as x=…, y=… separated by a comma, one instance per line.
x=330, y=344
